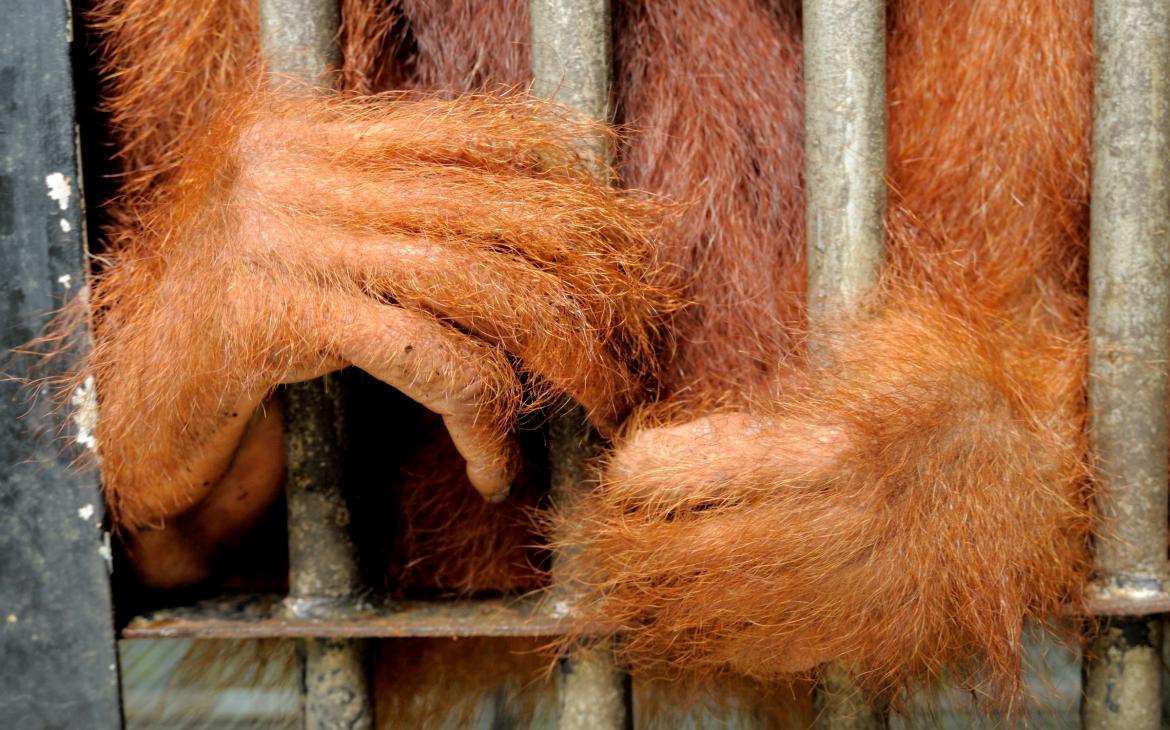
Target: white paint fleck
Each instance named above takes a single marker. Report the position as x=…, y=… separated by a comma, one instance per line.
x=107, y=552
x=12, y=618
x=86, y=512
x=65, y=226
x=65, y=280
x=84, y=401
x=60, y=188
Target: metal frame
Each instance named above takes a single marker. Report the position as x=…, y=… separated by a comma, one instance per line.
x=57, y=655
x=56, y=633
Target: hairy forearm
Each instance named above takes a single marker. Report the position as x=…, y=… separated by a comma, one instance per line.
x=907, y=507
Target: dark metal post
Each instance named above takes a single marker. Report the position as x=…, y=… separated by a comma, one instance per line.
x=1129, y=335
x=299, y=41
x=57, y=655
x=845, y=152
x=571, y=55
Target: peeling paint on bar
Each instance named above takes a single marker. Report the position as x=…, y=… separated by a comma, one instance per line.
x=60, y=188
x=106, y=551
x=85, y=413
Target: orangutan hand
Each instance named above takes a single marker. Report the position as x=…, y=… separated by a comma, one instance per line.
x=443, y=247
x=905, y=507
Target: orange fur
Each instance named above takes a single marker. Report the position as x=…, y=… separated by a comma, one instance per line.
x=901, y=508
x=906, y=507
x=719, y=133
x=548, y=268
x=447, y=538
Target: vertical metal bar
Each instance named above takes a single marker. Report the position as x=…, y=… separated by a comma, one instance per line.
x=592, y=691
x=1129, y=336
x=323, y=568
x=572, y=46
x=299, y=39
x=845, y=152
x=299, y=42
x=571, y=64
x=57, y=659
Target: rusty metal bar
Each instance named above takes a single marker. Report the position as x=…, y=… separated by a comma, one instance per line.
x=592, y=691
x=323, y=568
x=571, y=64
x=1129, y=341
x=299, y=43
x=263, y=617
x=845, y=153
x=1099, y=604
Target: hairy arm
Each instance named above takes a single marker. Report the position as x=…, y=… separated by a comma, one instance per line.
x=906, y=508
x=448, y=248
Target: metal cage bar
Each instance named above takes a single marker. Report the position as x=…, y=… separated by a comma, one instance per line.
x=845, y=184
x=299, y=41
x=845, y=152
x=1129, y=343
x=57, y=653
x=571, y=64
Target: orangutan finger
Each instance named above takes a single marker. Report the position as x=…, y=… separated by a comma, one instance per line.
x=182, y=551
x=468, y=383
x=207, y=457
x=505, y=300
x=514, y=132
x=251, y=484
x=708, y=459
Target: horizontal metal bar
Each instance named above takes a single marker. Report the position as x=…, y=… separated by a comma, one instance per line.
x=1129, y=605
x=255, y=617
x=1121, y=596
x=262, y=616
